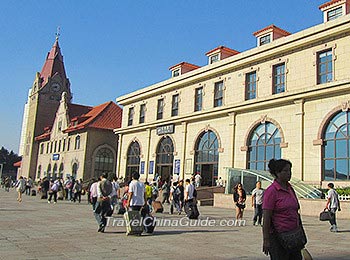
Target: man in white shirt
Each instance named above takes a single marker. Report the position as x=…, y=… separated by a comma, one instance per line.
x=332, y=205
x=190, y=205
x=137, y=193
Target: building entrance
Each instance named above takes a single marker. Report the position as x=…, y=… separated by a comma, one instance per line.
x=165, y=158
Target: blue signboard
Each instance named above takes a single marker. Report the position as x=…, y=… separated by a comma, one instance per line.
x=55, y=157
x=151, y=166
x=177, y=166
x=142, y=167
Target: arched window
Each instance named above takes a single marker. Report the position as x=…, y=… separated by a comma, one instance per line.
x=336, y=150
x=54, y=173
x=133, y=160
x=60, y=172
x=74, y=170
x=207, y=157
x=165, y=158
x=104, y=162
x=48, y=173
x=77, y=142
x=38, y=176
x=264, y=144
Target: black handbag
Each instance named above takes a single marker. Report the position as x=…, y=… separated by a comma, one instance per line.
x=325, y=215
x=293, y=240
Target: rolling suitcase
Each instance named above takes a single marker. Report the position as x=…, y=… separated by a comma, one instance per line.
x=157, y=206
x=133, y=222
x=149, y=224
x=33, y=192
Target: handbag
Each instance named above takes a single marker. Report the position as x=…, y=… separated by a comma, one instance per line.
x=325, y=215
x=293, y=240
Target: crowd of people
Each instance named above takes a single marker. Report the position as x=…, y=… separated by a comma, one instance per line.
x=277, y=206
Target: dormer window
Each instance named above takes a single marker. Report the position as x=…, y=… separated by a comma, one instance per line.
x=182, y=68
x=265, y=39
x=220, y=53
x=176, y=73
x=334, y=14
x=269, y=34
x=334, y=9
x=214, y=58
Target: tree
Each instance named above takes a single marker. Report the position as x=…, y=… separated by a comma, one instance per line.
x=8, y=159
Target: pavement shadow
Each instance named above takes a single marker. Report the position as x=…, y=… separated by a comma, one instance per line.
x=343, y=231
x=176, y=232
x=17, y=210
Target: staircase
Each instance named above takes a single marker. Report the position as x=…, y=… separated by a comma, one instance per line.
x=205, y=195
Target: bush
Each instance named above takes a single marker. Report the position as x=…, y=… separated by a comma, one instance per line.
x=343, y=191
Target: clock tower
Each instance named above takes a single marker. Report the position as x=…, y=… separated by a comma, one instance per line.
x=41, y=106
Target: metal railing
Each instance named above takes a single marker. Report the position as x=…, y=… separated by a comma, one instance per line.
x=249, y=178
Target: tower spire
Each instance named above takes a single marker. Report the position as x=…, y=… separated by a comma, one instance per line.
x=58, y=33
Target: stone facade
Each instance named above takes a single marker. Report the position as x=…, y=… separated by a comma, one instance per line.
x=300, y=113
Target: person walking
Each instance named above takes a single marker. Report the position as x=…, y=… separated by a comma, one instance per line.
x=175, y=198
x=136, y=193
x=29, y=186
x=20, y=188
x=257, y=201
x=54, y=186
x=165, y=192
x=280, y=214
x=332, y=206
x=77, y=189
x=190, y=203
x=8, y=183
x=239, y=198
x=103, y=204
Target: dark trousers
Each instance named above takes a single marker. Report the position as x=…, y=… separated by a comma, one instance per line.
x=277, y=252
x=333, y=220
x=77, y=196
x=54, y=194
x=175, y=204
x=258, y=212
x=28, y=189
x=102, y=209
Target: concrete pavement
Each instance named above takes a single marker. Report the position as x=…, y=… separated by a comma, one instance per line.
x=35, y=229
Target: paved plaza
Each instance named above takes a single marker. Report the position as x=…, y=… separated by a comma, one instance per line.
x=35, y=229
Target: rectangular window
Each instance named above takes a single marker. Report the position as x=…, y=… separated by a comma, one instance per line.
x=47, y=147
x=55, y=148
x=334, y=14
x=64, y=145
x=51, y=147
x=160, y=107
x=214, y=58
x=324, y=67
x=218, y=94
x=250, y=85
x=176, y=73
x=68, y=144
x=264, y=40
x=175, y=105
x=59, y=145
x=41, y=148
x=142, y=113
x=198, y=99
x=131, y=116
x=279, y=78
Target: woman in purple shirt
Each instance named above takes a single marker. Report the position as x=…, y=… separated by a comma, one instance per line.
x=280, y=208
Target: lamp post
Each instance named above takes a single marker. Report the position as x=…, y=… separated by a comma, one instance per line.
x=1, y=167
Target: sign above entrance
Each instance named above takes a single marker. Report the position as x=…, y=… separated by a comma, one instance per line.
x=165, y=129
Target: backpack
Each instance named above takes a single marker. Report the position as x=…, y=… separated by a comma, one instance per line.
x=106, y=187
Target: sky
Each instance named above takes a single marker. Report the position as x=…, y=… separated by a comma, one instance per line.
x=114, y=47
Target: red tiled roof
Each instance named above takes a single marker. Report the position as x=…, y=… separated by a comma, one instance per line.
x=328, y=4
x=53, y=64
x=233, y=52
x=186, y=64
x=274, y=28
x=75, y=110
x=105, y=116
x=17, y=164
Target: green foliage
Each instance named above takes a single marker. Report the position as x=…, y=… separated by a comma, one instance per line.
x=343, y=191
x=8, y=159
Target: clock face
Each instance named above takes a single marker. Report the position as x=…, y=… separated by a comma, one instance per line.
x=55, y=87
